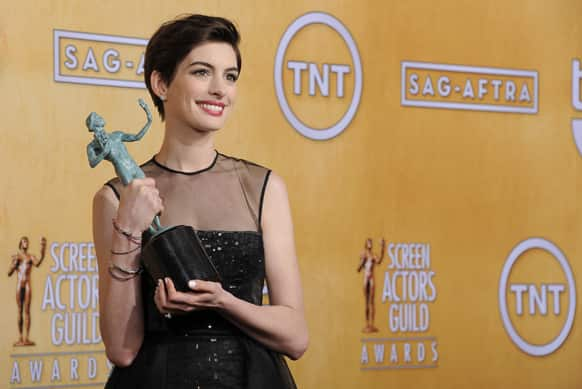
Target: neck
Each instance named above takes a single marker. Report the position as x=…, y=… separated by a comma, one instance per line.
x=186, y=149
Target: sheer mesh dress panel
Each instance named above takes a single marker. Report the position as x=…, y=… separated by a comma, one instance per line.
x=226, y=196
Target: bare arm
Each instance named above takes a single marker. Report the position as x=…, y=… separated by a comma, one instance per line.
x=120, y=318
x=382, y=251
x=13, y=265
x=281, y=325
x=120, y=301
x=42, y=252
x=139, y=135
x=362, y=262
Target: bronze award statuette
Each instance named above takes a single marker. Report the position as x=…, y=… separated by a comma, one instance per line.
x=174, y=252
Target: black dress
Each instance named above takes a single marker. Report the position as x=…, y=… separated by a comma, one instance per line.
x=203, y=350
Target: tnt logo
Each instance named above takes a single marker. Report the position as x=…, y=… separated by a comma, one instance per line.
x=318, y=76
x=537, y=297
x=318, y=79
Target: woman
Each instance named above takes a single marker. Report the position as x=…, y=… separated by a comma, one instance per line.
x=217, y=335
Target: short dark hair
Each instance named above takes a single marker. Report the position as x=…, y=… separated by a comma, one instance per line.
x=172, y=42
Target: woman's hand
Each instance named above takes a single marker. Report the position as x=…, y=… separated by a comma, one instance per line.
x=203, y=295
x=140, y=203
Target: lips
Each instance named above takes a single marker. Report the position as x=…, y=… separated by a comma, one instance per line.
x=213, y=108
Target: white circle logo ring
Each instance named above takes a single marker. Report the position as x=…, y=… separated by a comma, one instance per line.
x=532, y=349
x=298, y=24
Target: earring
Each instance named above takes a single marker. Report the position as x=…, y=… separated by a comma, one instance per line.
x=163, y=98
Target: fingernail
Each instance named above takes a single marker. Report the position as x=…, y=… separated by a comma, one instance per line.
x=192, y=284
x=159, y=281
x=167, y=280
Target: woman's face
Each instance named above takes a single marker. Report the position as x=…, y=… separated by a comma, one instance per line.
x=203, y=91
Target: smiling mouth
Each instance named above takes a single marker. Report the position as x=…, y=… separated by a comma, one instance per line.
x=211, y=108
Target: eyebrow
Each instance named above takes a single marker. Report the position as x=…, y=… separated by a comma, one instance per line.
x=212, y=67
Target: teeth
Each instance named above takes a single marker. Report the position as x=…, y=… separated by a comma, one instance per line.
x=213, y=108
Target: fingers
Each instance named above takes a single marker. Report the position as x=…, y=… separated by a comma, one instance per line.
x=160, y=297
x=203, y=286
x=147, y=181
x=147, y=189
x=152, y=196
x=140, y=202
x=204, y=294
x=178, y=298
x=164, y=303
x=193, y=300
x=207, y=294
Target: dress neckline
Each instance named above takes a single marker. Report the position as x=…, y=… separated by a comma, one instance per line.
x=228, y=232
x=185, y=172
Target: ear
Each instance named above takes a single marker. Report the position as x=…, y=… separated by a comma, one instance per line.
x=158, y=85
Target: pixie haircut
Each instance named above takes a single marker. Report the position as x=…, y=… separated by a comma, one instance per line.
x=172, y=42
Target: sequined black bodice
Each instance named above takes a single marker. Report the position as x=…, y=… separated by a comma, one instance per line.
x=202, y=349
x=239, y=258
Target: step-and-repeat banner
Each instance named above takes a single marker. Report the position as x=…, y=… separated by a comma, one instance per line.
x=432, y=154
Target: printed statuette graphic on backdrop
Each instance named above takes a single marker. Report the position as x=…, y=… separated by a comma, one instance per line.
x=407, y=293
x=22, y=263
x=174, y=252
x=368, y=262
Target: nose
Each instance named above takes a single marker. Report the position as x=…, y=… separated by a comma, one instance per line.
x=217, y=86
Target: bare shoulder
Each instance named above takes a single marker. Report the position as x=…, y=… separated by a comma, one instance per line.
x=104, y=197
x=105, y=204
x=276, y=186
x=276, y=207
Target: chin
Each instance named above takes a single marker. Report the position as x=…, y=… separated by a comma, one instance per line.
x=211, y=125
x=204, y=129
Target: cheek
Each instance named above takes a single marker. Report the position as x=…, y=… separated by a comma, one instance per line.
x=197, y=88
x=232, y=94
x=188, y=89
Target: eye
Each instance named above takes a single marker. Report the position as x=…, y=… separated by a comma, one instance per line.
x=232, y=77
x=200, y=72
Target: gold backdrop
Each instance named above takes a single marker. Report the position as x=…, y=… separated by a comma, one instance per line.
x=460, y=148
